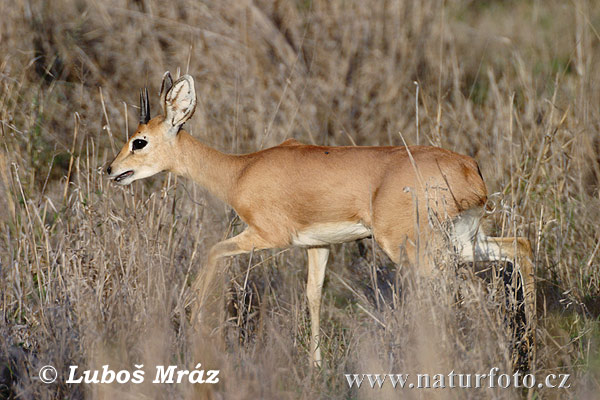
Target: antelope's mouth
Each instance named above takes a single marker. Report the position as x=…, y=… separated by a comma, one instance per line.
x=124, y=175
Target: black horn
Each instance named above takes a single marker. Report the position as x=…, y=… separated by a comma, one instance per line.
x=144, y=106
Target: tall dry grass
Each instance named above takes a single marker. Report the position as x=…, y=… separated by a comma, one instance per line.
x=93, y=274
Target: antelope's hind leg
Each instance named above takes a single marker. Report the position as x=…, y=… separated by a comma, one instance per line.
x=518, y=252
x=474, y=246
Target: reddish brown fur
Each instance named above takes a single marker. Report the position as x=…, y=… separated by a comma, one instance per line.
x=287, y=188
x=284, y=189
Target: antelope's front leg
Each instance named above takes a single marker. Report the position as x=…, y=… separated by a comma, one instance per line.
x=317, y=262
x=203, y=285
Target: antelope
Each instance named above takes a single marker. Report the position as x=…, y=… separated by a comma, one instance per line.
x=311, y=196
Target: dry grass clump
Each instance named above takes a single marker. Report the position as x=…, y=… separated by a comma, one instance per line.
x=93, y=274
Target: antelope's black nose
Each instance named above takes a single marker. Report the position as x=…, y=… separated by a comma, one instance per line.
x=108, y=169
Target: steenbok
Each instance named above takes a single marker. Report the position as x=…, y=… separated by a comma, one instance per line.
x=296, y=194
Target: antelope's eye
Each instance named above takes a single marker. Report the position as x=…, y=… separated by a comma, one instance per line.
x=138, y=144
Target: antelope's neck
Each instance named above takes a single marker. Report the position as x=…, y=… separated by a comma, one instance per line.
x=208, y=167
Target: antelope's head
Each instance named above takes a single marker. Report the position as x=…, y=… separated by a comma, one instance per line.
x=152, y=148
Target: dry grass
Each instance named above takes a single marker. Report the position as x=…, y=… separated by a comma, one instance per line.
x=92, y=274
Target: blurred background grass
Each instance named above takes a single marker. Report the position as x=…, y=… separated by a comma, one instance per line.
x=92, y=274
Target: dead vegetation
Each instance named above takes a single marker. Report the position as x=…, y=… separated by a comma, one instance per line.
x=93, y=274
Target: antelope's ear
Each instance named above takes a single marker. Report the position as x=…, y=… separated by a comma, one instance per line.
x=180, y=103
x=166, y=85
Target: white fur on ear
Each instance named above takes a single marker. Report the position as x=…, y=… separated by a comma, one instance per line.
x=180, y=102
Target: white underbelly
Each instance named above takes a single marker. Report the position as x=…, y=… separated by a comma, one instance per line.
x=330, y=233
